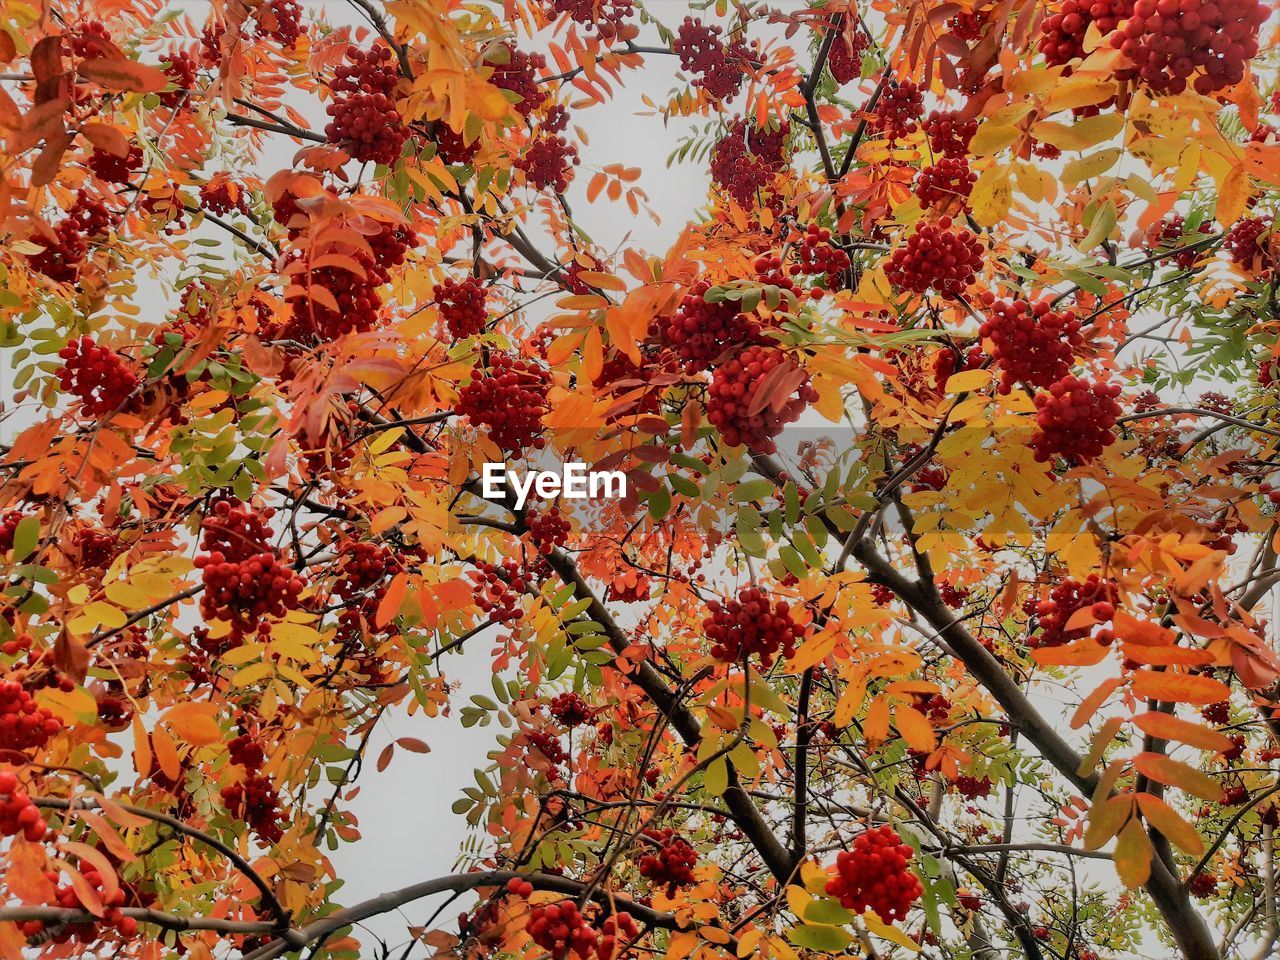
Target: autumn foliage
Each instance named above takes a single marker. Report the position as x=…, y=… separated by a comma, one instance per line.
x=938, y=616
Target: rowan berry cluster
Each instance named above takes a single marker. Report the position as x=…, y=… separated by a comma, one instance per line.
x=945, y=183
x=18, y=815
x=95, y=549
x=99, y=376
x=561, y=929
x=1167, y=235
x=874, y=875
x=244, y=578
x=899, y=110
x=365, y=121
x=246, y=751
x=462, y=305
x=517, y=71
x=671, y=862
x=844, y=59
x=936, y=257
x=815, y=254
x=619, y=374
x=548, y=744
x=1066, y=599
x=255, y=801
x=24, y=725
x=1062, y=33
x=570, y=710
x=1218, y=713
x=949, y=134
x=548, y=529
x=968, y=25
x=281, y=20
x=973, y=787
x=604, y=17
x=223, y=197
x=1075, y=420
x=90, y=39
x=701, y=51
x=746, y=159
x=1168, y=41
x=1031, y=342
x=181, y=70
x=509, y=400
x=66, y=897
x=1251, y=244
x=734, y=405
x=366, y=573
x=62, y=256
x=749, y=625
x=114, y=168
x=701, y=331
x=23, y=641
x=498, y=589
x=548, y=162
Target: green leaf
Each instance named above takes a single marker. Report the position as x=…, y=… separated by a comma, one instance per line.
x=25, y=537
x=716, y=778
x=748, y=528
x=823, y=939
x=828, y=912
x=753, y=490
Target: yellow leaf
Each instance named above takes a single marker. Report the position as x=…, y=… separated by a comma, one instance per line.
x=991, y=139
x=915, y=728
x=992, y=195
x=98, y=613
x=968, y=381
x=1233, y=194
x=1078, y=92
x=1090, y=166
x=886, y=932
x=1081, y=135
x=1165, y=819
x=70, y=706
x=1133, y=855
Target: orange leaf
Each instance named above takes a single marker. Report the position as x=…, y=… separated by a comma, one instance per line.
x=194, y=723
x=85, y=893
x=1105, y=820
x=125, y=75
x=1165, y=819
x=96, y=859
x=106, y=138
x=915, y=728
x=1179, y=687
x=141, y=748
x=876, y=727
x=1174, y=773
x=1081, y=653
x=1168, y=727
x=389, y=605
x=1089, y=706
x=166, y=754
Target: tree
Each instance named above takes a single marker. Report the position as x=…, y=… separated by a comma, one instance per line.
x=892, y=692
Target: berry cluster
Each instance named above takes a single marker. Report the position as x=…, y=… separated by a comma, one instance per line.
x=548, y=529
x=23, y=724
x=281, y=20
x=1075, y=420
x=61, y=257
x=548, y=744
x=751, y=625
x=113, y=168
x=498, y=589
x=366, y=573
x=364, y=121
x=1169, y=40
x=245, y=580
x=181, y=70
x=517, y=71
x=815, y=255
x=83, y=933
x=548, y=162
x=222, y=196
x=949, y=134
x=341, y=301
x=1167, y=235
x=509, y=400
x=700, y=331
x=874, y=876
x=1062, y=32
x=1031, y=342
x=620, y=375
x=1251, y=244
x=671, y=864
x=90, y=39
x=18, y=815
x=701, y=51
x=899, y=109
x=570, y=710
x=255, y=802
x=844, y=59
x=605, y=17
x=462, y=305
x=1066, y=599
x=973, y=788
x=561, y=929
x=746, y=159
x=945, y=183
x=736, y=407
x=98, y=376
x=938, y=257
